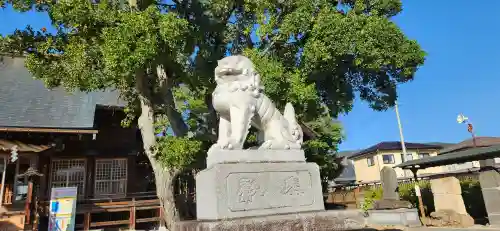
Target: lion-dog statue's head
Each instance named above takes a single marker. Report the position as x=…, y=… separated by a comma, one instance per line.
x=237, y=71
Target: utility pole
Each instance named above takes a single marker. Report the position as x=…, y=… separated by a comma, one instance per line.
x=401, y=137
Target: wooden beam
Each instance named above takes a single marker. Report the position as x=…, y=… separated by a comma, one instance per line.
x=108, y=223
x=113, y=203
x=148, y=207
x=144, y=220
x=160, y=216
x=86, y=221
x=132, y=218
x=27, y=207
x=2, y=190
x=49, y=130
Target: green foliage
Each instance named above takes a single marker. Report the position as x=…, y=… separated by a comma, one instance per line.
x=307, y=52
x=177, y=151
x=407, y=193
x=371, y=195
x=471, y=193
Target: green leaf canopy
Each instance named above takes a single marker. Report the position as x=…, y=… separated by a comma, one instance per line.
x=317, y=54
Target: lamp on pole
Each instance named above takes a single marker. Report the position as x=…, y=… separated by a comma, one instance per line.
x=461, y=119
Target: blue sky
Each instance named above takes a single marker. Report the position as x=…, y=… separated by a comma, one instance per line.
x=460, y=74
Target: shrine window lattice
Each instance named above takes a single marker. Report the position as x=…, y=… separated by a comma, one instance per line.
x=69, y=173
x=110, y=178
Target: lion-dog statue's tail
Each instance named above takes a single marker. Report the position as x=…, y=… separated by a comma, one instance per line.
x=293, y=126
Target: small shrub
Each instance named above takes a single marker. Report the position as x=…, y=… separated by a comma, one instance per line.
x=371, y=195
x=407, y=193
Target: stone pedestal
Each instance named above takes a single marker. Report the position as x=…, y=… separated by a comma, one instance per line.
x=255, y=156
x=330, y=220
x=248, y=189
x=400, y=217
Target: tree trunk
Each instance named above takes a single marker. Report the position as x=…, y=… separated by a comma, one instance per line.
x=164, y=178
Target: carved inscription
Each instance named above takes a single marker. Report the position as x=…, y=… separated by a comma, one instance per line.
x=291, y=187
x=268, y=190
x=247, y=189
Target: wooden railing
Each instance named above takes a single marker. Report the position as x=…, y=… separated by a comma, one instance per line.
x=344, y=195
x=130, y=205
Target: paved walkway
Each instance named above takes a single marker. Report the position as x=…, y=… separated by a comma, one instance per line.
x=474, y=228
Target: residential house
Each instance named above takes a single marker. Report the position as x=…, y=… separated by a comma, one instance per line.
x=348, y=175
x=467, y=144
x=369, y=162
x=69, y=140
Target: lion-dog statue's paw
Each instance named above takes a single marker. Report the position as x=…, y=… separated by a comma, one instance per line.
x=273, y=144
x=223, y=145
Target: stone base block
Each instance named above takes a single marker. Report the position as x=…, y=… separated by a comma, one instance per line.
x=448, y=218
x=253, y=156
x=494, y=219
x=310, y=221
x=391, y=204
x=454, y=202
x=225, y=191
x=403, y=217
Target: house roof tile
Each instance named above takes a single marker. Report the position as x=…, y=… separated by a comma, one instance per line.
x=483, y=141
x=26, y=102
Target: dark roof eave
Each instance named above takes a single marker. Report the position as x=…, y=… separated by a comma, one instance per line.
x=393, y=145
x=105, y=106
x=481, y=153
x=359, y=154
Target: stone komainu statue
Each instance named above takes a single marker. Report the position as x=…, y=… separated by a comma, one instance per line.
x=241, y=103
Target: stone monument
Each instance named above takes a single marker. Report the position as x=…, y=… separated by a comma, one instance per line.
x=448, y=194
x=390, y=197
x=390, y=210
x=267, y=186
x=448, y=204
x=489, y=177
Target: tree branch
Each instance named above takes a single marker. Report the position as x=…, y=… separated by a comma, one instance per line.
x=177, y=123
x=146, y=119
x=212, y=115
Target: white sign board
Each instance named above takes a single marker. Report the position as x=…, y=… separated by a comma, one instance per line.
x=62, y=209
x=417, y=190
